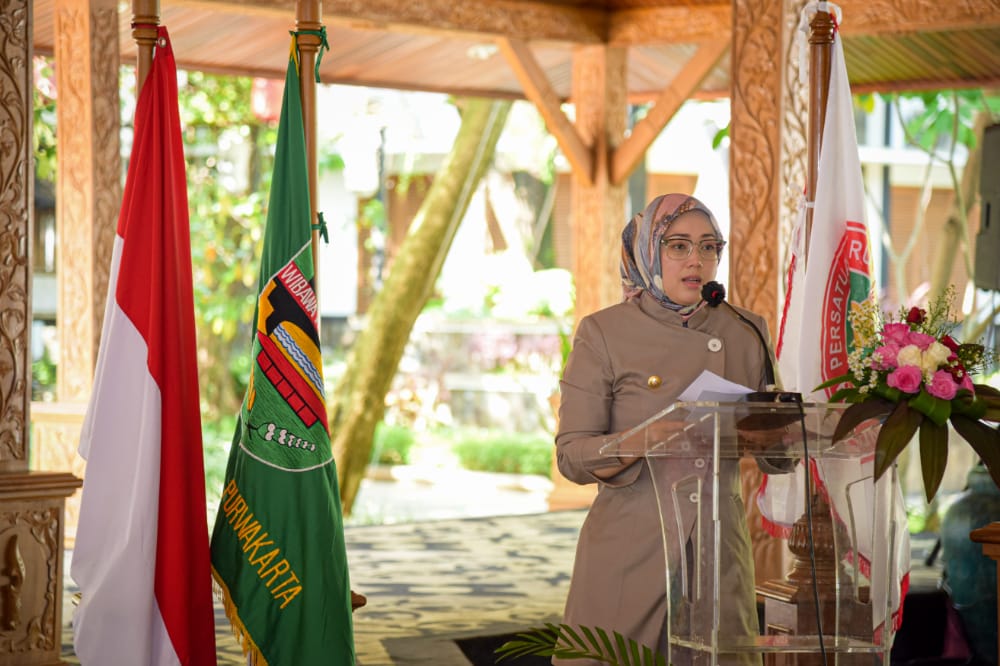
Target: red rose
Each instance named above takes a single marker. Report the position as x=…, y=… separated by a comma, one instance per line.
x=950, y=343
x=915, y=315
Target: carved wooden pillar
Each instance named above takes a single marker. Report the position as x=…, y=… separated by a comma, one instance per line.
x=31, y=503
x=88, y=196
x=598, y=206
x=88, y=191
x=767, y=150
x=768, y=167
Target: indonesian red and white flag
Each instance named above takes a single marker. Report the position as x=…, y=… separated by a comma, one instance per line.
x=141, y=557
x=814, y=340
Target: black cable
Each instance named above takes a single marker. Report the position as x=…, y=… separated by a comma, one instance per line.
x=809, y=530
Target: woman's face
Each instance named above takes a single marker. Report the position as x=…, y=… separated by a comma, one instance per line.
x=683, y=278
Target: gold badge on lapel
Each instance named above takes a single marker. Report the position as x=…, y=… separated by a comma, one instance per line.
x=654, y=381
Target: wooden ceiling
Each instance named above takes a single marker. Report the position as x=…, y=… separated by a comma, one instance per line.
x=458, y=47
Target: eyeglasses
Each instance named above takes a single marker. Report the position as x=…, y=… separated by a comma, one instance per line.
x=681, y=248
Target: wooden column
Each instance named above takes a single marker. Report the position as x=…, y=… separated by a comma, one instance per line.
x=768, y=153
x=598, y=205
x=88, y=189
x=767, y=150
x=88, y=196
x=31, y=503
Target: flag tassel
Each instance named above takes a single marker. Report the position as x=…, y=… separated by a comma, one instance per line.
x=243, y=638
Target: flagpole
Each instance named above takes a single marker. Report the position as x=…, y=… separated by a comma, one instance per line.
x=308, y=17
x=145, y=19
x=821, y=32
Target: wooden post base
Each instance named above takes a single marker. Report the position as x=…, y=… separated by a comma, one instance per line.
x=31, y=566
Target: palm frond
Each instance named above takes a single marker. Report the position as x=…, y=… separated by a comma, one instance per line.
x=566, y=642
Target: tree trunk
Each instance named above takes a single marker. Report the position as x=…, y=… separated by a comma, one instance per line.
x=358, y=401
x=955, y=233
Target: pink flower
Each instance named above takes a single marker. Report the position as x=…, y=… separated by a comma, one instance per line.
x=887, y=355
x=942, y=385
x=898, y=334
x=921, y=340
x=966, y=383
x=906, y=378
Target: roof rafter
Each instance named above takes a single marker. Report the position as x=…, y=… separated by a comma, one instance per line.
x=627, y=155
x=539, y=91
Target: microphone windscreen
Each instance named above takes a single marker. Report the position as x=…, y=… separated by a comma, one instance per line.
x=713, y=293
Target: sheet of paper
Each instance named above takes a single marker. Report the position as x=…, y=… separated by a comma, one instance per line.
x=709, y=386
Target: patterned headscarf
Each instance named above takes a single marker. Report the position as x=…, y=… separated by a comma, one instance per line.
x=640, y=263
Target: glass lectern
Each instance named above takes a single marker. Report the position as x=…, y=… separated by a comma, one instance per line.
x=838, y=604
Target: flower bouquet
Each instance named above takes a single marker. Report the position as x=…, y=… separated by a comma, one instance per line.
x=909, y=372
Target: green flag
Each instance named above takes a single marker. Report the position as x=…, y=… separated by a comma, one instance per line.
x=278, y=545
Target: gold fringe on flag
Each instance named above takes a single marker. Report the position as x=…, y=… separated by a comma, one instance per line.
x=243, y=638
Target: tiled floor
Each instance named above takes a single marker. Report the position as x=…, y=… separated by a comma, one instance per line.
x=431, y=582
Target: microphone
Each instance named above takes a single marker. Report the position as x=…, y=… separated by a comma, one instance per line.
x=714, y=294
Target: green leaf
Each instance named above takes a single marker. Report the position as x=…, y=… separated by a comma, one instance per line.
x=623, y=650
x=605, y=641
x=933, y=455
x=890, y=393
x=836, y=380
x=558, y=641
x=984, y=440
x=539, y=641
x=858, y=413
x=897, y=432
x=936, y=409
x=847, y=394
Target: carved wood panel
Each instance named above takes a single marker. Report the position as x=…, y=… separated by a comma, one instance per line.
x=30, y=584
x=16, y=200
x=768, y=158
x=755, y=154
x=88, y=186
x=767, y=150
x=107, y=155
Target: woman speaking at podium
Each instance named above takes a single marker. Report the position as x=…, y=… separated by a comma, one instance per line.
x=630, y=361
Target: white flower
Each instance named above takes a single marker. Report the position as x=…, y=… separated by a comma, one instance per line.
x=935, y=355
x=910, y=355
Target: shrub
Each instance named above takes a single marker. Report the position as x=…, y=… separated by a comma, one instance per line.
x=392, y=445
x=508, y=452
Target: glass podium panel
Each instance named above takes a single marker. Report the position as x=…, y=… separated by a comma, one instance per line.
x=839, y=603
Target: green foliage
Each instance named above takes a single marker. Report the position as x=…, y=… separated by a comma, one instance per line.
x=227, y=221
x=392, y=444
x=720, y=136
x=506, y=452
x=43, y=377
x=373, y=216
x=216, y=439
x=940, y=114
x=44, y=113
x=566, y=642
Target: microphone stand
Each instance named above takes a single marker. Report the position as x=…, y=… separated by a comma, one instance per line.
x=714, y=294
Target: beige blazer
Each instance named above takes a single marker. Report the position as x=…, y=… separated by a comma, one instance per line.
x=619, y=580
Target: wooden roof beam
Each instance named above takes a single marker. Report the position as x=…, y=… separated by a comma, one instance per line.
x=631, y=151
x=518, y=19
x=671, y=25
x=539, y=91
x=875, y=17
